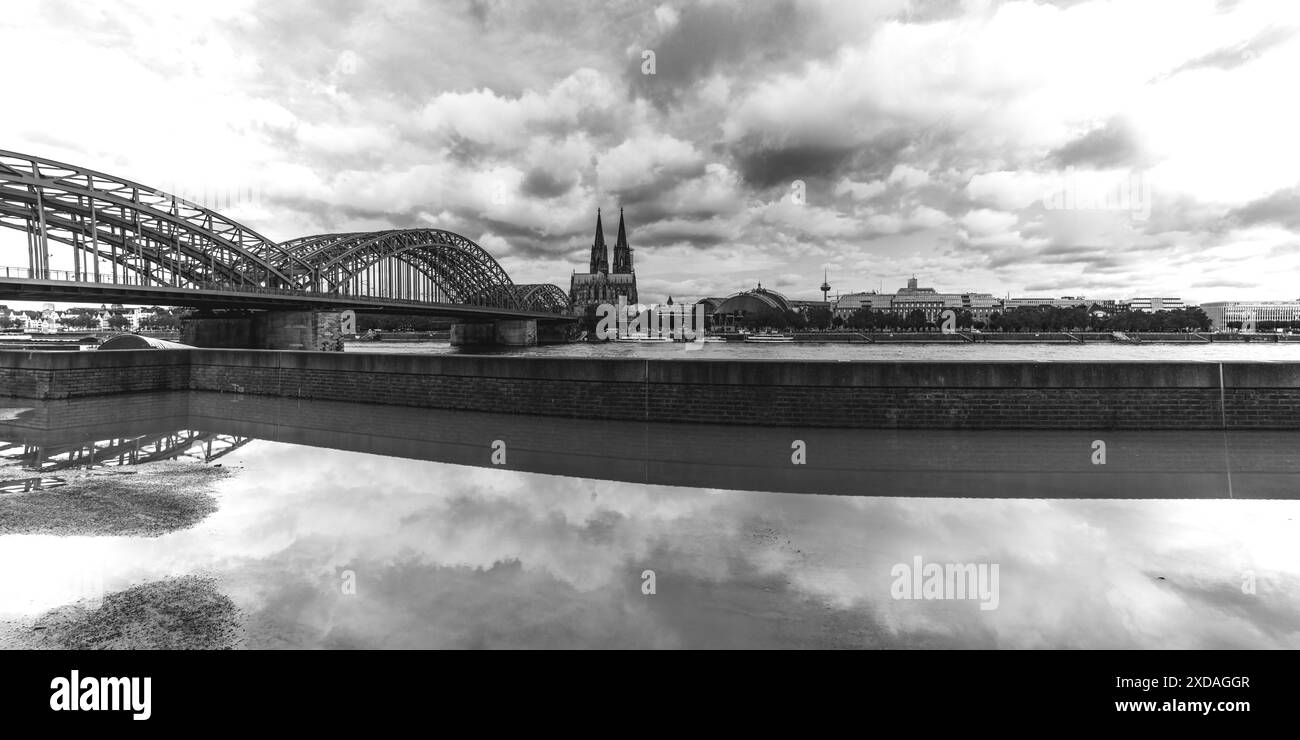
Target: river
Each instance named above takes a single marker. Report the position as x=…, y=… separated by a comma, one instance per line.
x=901, y=352
x=282, y=523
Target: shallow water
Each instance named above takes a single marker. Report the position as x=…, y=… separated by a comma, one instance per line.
x=351, y=526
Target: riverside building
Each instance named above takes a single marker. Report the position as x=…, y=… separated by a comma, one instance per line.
x=1222, y=312
x=929, y=301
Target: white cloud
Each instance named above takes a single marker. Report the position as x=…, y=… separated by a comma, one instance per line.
x=860, y=190
x=927, y=218
x=910, y=177
x=666, y=16
x=1009, y=190
x=983, y=221
x=503, y=122
x=644, y=159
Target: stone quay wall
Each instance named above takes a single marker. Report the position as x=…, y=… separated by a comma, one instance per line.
x=879, y=395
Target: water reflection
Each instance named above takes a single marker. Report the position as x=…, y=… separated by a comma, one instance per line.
x=550, y=549
x=121, y=451
x=28, y=485
x=137, y=430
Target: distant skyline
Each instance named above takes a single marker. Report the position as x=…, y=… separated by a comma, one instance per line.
x=773, y=141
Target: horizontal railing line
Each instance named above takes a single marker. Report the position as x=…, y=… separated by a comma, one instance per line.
x=25, y=273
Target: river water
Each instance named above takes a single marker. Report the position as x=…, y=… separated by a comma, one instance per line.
x=901, y=352
x=338, y=526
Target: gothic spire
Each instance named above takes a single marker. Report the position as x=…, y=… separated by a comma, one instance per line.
x=599, y=253
x=622, y=252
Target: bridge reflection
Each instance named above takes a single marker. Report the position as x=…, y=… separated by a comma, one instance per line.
x=28, y=485
x=46, y=455
x=120, y=451
x=44, y=437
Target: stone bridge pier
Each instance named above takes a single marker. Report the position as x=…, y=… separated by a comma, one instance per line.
x=296, y=330
x=513, y=333
x=508, y=333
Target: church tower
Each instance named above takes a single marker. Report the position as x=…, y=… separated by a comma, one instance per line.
x=599, y=253
x=622, y=252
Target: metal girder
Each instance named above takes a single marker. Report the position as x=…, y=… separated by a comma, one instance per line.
x=440, y=265
x=127, y=234
x=136, y=450
x=542, y=297
x=124, y=225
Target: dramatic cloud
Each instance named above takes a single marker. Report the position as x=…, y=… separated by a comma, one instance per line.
x=1281, y=208
x=1111, y=145
x=996, y=146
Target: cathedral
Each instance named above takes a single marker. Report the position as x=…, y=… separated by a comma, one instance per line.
x=600, y=284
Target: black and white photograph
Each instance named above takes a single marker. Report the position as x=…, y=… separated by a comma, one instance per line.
x=363, y=327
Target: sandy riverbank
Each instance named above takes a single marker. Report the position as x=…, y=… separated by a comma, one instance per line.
x=187, y=613
x=144, y=501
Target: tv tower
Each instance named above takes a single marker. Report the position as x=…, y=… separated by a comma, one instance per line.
x=826, y=286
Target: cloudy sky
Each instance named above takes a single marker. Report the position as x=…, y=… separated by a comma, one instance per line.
x=966, y=142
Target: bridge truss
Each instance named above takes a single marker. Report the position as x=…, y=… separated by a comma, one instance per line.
x=123, y=451
x=123, y=233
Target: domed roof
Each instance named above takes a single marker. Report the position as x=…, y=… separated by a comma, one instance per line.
x=135, y=341
x=758, y=299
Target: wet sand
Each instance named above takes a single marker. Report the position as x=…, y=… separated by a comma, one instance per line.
x=146, y=501
x=187, y=613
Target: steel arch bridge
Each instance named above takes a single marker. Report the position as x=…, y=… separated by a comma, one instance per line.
x=543, y=297
x=121, y=233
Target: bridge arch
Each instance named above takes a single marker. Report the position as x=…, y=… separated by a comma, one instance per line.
x=124, y=233
x=404, y=264
x=134, y=233
x=542, y=297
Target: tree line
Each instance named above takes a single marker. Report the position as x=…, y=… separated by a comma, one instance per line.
x=1079, y=318
x=81, y=317
x=1019, y=319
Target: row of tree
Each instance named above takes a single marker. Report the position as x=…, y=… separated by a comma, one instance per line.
x=1020, y=319
x=865, y=319
x=1079, y=318
x=91, y=321
x=1036, y=319
x=81, y=317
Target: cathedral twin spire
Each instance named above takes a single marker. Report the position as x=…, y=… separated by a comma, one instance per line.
x=600, y=253
x=622, y=252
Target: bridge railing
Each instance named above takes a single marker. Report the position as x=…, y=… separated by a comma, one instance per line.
x=128, y=279
x=122, y=278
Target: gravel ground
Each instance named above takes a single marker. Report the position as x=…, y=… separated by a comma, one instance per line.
x=145, y=501
x=187, y=613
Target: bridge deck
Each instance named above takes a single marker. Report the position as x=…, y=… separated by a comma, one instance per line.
x=69, y=291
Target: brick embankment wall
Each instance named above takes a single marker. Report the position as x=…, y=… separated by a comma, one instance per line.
x=55, y=375
x=883, y=395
